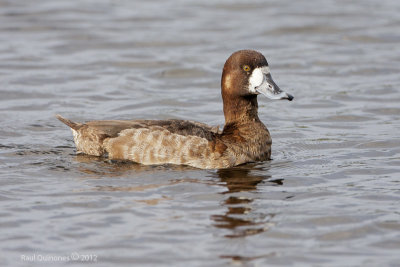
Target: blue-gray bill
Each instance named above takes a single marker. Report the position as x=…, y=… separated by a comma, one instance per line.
x=269, y=88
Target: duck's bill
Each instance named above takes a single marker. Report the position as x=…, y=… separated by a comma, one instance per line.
x=269, y=88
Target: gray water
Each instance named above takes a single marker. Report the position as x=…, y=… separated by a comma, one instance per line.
x=329, y=197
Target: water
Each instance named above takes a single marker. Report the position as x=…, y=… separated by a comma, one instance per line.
x=329, y=197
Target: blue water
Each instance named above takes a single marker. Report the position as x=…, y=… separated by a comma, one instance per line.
x=329, y=197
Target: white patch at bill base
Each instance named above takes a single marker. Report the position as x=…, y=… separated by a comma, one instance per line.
x=257, y=78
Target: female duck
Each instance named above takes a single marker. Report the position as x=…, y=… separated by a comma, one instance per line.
x=243, y=139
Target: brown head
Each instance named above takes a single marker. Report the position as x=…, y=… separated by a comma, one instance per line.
x=245, y=75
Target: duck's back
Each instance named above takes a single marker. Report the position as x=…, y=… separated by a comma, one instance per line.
x=151, y=141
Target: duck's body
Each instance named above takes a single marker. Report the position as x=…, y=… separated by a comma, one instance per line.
x=243, y=139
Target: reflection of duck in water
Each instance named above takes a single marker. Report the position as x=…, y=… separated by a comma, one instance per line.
x=96, y=166
x=240, y=217
x=243, y=139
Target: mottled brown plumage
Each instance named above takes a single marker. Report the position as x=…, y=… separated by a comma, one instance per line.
x=243, y=139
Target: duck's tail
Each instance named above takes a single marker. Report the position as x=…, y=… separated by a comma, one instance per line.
x=68, y=122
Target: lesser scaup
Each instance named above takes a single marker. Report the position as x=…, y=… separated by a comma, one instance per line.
x=243, y=139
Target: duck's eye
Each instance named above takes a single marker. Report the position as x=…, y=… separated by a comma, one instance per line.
x=246, y=68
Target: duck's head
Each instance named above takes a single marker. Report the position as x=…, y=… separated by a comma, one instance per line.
x=246, y=73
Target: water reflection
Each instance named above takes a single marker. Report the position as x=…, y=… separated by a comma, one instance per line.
x=136, y=177
x=99, y=166
x=241, y=217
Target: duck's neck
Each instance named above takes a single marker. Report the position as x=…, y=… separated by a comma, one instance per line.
x=242, y=109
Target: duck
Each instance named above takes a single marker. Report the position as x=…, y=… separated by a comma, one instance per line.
x=243, y=139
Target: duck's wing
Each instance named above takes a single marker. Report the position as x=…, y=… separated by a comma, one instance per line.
x=184, y=127
x=111, y=128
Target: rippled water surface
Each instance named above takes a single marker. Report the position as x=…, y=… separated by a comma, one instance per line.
x=329, y=197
